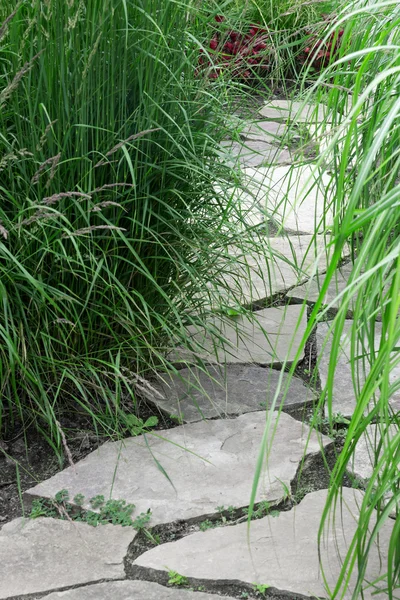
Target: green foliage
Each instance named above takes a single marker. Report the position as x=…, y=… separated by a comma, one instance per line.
x=112, y=231
x=207, y=524
x=176, y=579
x=115, y=512
x=261, y=588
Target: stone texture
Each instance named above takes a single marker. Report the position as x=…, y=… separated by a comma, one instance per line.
x=253, y=153
x=284, y=549
x=292, y=196
x=210, y=464
x=130, y=590
x=194, y=394
x=299, y=112
x=310, y=291
x=45, y=554
x=344, y=396
x=268, y=132
x=268, y=337
x=285, y=262
x=363, y=460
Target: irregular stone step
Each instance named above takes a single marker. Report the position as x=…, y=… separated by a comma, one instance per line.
x=45, y=554
x=269, y=132
x=131, y=590
x=285, y=262
x=268, y=337
x=285, y=110
x=293, y=196
x=363, y=461
x=210, y=464
x=253, y=153
x=344, y=395
x=194, y=394
x=310, y=291
x=284, y=549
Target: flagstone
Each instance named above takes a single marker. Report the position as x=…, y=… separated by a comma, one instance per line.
x=194, y=394
x=254, y=153
x=293, y=196
x=284, y=262
x=310, y=290
x=187, y=472
x=270, y=336
x=39, y=555
x=294, y=110
x=131, y=590
x=344, y=395
x=281, y=552
x=374, y=440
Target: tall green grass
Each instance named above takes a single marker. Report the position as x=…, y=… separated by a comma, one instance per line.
x=111, y=230
x=361, y=90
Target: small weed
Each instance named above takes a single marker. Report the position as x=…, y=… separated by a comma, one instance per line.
x=115, y=512
x=244, y=595
x=261, y=588
x=207, y=524
x=176, y=579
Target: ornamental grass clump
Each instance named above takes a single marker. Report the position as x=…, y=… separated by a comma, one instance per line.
x=111, y=229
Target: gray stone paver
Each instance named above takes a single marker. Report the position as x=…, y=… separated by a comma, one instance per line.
x=344, y=395
x=45, y=554
x=285, y=262
x=292, y=196
x=310, y=291
x=130, y=590
x=266, y=131
x=210, y=464
x=363, y=460
x=298, y=111
x=270, y=337
x=194, y=394
x=283, y=550
x=254, y=153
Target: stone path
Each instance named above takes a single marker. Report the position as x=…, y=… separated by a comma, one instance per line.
x=196, y=478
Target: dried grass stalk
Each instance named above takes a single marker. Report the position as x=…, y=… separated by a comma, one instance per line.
x=86, y=230
x=53, y=161
x=105, y=204
x=50, y=200
x=3, y=232
x=135, y=136
x=7, y=92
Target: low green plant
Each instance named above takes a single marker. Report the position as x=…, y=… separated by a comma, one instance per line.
x=115, y=512
x=207, y=524
x=175, y=579
x=261, y=588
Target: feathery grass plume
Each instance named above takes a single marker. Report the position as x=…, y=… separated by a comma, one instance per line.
x=8, y=91
x=3, y=231
x=135, y=136
x=50, y=200
x=87, y=230
x=106, y=204
x=4, y=26
x=52, y=162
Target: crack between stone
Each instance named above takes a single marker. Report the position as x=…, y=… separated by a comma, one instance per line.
x=76, y=586
x=223, y=587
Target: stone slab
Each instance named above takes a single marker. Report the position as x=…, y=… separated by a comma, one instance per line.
x=210, y=464
x=300, y=112
x=310, y=291
x=253, y=153
x=195, y=394
x=363, y=460
x=269, y=132
x=283, y=551
x=130, y=590
x=45, y=554
x=283, y=263
x=267, y=337
x=344, y=395
x=292, y=196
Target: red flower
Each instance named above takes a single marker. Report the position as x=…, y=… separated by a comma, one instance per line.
x=219, y=18
x=214, y=44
